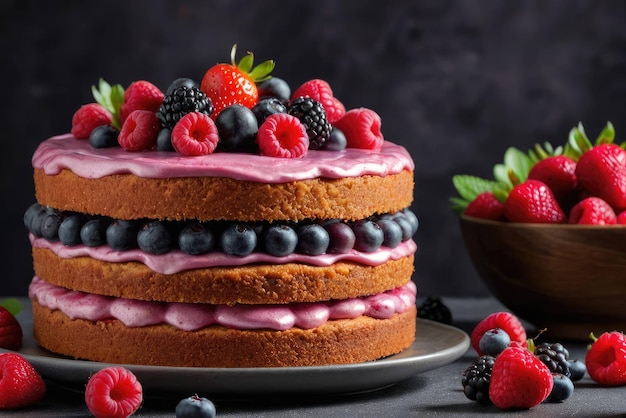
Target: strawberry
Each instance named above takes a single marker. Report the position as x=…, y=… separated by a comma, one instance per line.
x=601, y=172
x=621, y=218
x=361, y=128
x=87, y=118
x=283, y=135
x=20, y=384
x=519, y=380
x=559, y=174
x=10, y=331
x=485, y=206
x=592, y=211
x=195, y=134
x=113, y=392
x=140, y=131
x=320, y=91
x=141, y=95
x=606, y=359
x=235, y=83
x=505, y=321
x=533, y=202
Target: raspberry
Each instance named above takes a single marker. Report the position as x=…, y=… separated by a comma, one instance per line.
x=519, y=380
x=506, y=321
x=141, y=95
x=87, y=118
x=283, y=135
x=113, y=392
x=10, y=331
x=362, y=128
x=606, y=359
x=319, y=90
x=195, y=134
x=20, y=384
x=140, y=131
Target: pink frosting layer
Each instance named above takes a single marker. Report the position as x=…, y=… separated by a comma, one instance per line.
x=177, y=261
x=66, y=152
x=191, y=317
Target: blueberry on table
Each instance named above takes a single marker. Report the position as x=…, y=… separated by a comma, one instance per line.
x=195, y=407
x=577, y=370
x=562, y=388
x=494, y=341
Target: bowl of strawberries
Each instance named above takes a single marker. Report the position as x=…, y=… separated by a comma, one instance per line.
x=547, y=234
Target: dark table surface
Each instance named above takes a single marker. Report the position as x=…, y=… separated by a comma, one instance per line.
x=433, y=393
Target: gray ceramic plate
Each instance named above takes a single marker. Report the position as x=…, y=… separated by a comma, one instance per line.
x=435, y=345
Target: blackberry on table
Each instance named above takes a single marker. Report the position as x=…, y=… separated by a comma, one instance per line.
x=554, y=355
x=181, y=101
x=476, y=379
x=434, y=309
x=313, y=116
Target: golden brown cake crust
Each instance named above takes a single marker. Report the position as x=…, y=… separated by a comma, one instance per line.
x=252, y=284
x=336, y=342
x=125, y=196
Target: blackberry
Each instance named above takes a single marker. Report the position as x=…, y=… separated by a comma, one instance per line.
x=554, y=356
x=476, y=379
x=435, y=310
x=181, y=101
x=313, y=116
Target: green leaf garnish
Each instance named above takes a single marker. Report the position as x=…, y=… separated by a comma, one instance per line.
x=468, y=188
x=246, y=65
x=12, y=305
x=607, y=135
x=111, y=98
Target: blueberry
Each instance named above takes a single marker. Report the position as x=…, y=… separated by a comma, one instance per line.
x=179, y=82
x=577, y=370
x=69, y=230
x=237, y=128
x=30, y=214
x=341, y=238
x=391, y=231
x=121, y=235
x=275, y=87
x=164, y=140
x=494, y=341
x=412, y=218
x=405, y=225
x=562, y=389
x=196, y=239
x=369, y=236
x=336, y=141
x=313, y=239
x=154, y=238
x=238, y=239
x=266, y=107
x=195, y=407
x=280, y=240
x=37, y=220
x=104, y=136
x=50, y=226
x=93, y=232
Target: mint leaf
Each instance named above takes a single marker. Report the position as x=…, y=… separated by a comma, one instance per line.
x=12, y=305
x=111, y=98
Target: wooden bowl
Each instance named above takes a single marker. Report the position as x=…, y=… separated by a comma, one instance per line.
x=570, y=279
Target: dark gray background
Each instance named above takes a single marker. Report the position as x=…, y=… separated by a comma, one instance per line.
x=456, y=82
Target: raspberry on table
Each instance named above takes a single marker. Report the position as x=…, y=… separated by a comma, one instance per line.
x=195, y=134
x=87, y=118
x=606, y=359
x=113, y=392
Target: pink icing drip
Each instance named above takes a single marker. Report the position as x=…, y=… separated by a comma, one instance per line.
x=177, y=261
x=190, y=317
x=66, y=152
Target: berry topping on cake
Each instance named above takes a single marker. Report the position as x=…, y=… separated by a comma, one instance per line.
x=10, y=331
x=195, y=134
x=87, y=118
x=606, y=359
x=180, y=82
x=20, y=384
x=312, y=115
x=181, y=101
x=140, y=131
x=195, y=407
x=267, y=106
x=235, y=83
x=140, y=95
x=361, y=128
x=105, y=136
x=113, y=392
x=320, y=91
x=283, y=135
x=237, y=127
x=276, y=88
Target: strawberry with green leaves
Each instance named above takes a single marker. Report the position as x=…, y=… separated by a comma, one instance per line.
x=533, y=202
x=558, y=172
x=235, y=83
x=601, y=172
x=592, y=211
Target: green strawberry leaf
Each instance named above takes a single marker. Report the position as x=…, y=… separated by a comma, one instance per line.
x=111, y=98
x=469, y=187
x=458, y=204
x=578, y=140
x=607, y=135
x=262, y=71
x=245, y=64
x=12, y=305
x=518, y=162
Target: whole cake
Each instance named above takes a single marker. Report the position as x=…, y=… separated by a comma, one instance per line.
x=223, y=224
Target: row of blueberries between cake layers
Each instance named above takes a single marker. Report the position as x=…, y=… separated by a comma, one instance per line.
x=190, y=317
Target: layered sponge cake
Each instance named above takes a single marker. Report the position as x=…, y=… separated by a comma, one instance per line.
x=234, y=257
